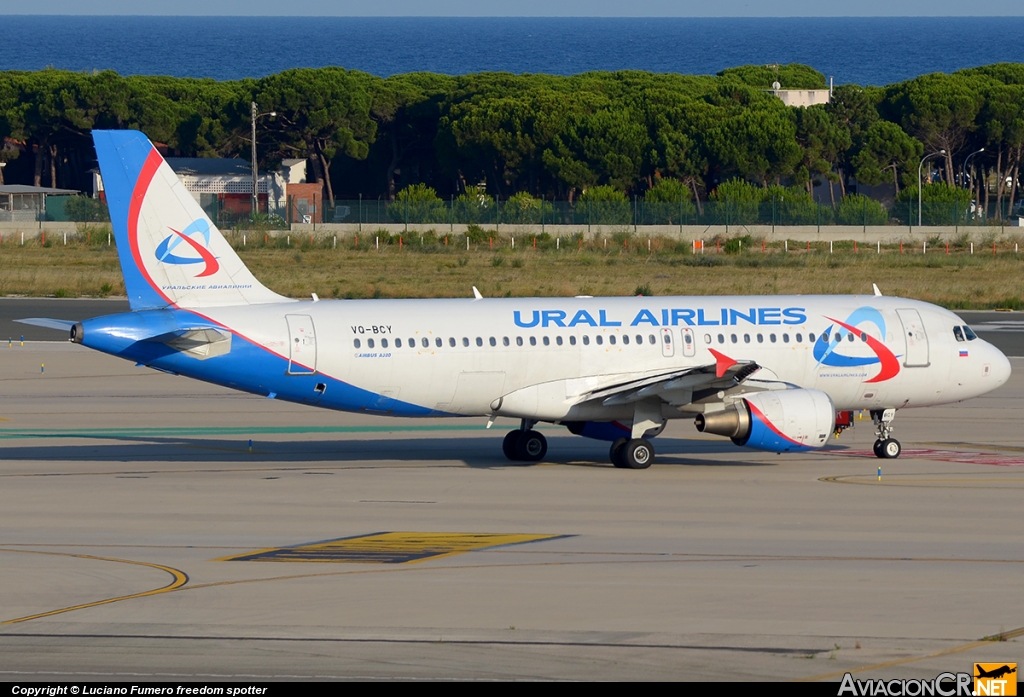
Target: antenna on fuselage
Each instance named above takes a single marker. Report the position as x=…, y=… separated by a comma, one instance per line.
x=878, y=293
x=476, y=294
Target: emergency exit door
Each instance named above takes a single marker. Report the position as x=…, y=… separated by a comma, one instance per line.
x=301, y=345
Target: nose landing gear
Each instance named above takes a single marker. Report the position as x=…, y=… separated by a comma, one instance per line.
x=885, y=447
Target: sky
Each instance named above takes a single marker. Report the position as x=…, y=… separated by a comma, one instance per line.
x=520, y=8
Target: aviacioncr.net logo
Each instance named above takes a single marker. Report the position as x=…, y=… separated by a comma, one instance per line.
x=186, y=241
x=828, y=349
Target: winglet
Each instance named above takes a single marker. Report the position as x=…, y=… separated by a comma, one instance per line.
x=878, y=293
x=722, y=363
x=476, y=294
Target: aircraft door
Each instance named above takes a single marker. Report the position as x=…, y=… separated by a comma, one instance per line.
x=668, y=348
x=917, y=355
x=689, y=344
x=301, y=345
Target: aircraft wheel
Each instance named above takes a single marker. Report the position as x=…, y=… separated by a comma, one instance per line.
x=638, y=454
x=615, y=453
x=890, y=448
x=877, y=448
x=508, y=446
x=532, y=446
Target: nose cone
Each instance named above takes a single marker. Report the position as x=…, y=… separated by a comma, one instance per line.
x=1000, y=367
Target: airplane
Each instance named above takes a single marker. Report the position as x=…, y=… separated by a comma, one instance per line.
x=773, y=373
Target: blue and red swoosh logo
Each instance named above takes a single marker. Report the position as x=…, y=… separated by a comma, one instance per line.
x=829, y=351
x=165, y=251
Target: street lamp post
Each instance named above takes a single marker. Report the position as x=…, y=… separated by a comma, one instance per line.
x=976, y=152
x=255, y=172
x=940, y=152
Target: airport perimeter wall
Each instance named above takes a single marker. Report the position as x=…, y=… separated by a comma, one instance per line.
x=20, y=233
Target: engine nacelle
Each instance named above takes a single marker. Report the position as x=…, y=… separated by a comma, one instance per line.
x=777, y=421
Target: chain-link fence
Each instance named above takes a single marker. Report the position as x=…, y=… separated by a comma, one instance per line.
x=236, y=212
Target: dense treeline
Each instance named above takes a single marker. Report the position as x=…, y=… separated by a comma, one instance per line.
x=604, y=136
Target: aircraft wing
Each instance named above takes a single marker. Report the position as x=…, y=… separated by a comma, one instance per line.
x=679, y=387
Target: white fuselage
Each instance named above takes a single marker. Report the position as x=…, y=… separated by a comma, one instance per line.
x=532, y=358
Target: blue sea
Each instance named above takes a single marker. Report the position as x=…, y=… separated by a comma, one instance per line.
x=866, y=51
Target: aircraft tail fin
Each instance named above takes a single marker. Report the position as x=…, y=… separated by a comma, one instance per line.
x=171, y=253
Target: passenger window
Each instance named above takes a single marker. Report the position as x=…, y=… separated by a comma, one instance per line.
x=746, y=338
x=599, y=339
x=639, y=340
x=824, y=337
x=533, y=341
x=707, y=338
x=504, y=341
x=547, y=341
x=625, y=338
x=957, y=332
x=558, y=340
x=426, y=342
x=519, y=341
x=572, y=340
x=651, y=340
x=864, y=337
x=760, y=338
x=412, y=343
x=383, y=343
x=369, y=343
x=358, y=344
x=849, y=336
x=799, y=338
x=785, y=338
x=611, y=339
x=689, y=339
x=479, y=341
x=398, y=343
x=733, y=337
x=771, y=338
x=493, y=341
x=810, y=338
x=586, y=340
x=438, y=343
x=969, y=333
x=465, y=341
x=451, y=341
x=721, y=338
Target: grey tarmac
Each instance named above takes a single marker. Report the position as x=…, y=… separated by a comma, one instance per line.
x=123, y=491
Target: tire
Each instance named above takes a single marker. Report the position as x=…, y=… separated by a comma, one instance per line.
x=877, y=448
x=891, y=449
x=508, y=446
x=638, y=454
x=615, y=453
x=531, y=447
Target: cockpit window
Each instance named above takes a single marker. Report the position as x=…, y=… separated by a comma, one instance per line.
x=958, y=333
x=969, y=333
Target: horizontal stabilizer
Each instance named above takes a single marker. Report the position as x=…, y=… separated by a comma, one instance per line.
x=199, y=342
x=59, y=324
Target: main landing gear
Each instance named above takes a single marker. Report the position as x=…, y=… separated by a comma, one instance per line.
x=885, y=447
x=632, y=453
x=525, y=444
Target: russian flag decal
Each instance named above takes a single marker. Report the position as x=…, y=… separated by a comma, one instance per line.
x=963, y=354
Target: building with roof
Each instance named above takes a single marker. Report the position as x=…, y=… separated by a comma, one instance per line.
x=20, y=203
x=223, y=185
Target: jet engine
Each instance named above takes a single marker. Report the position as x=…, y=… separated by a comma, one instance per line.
x=777, y=421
